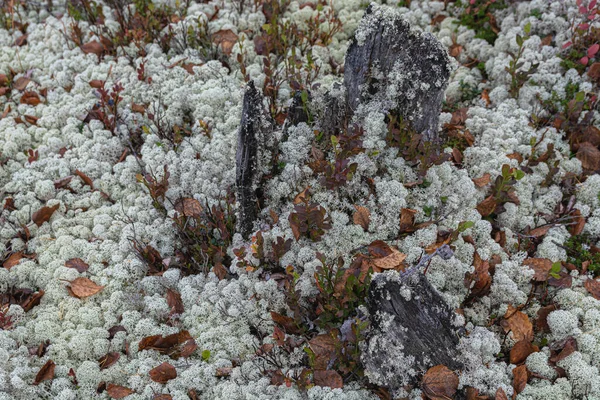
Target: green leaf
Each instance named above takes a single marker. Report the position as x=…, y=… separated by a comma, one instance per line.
x=527, y=28
x=520, y=40
x=205, y=355
x=519, y=174
x=505, y=171
x=463, y=226
x=580, y=96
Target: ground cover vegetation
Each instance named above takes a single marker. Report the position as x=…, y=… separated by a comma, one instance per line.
x=123, y=274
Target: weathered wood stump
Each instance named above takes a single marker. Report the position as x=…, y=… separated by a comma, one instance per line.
x=411, y=330
x=400, y=68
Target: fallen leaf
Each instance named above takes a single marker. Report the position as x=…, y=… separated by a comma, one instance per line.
x=328, y=378
x=579, y=223
x=21, y=40
x=485, y=95
x=30, y=98
x=515, y=156
x=138, y=108
x=518, y=323
x=163, y=373
x=407, y=219
x=455, y=49
x=3, y=80
x=13, y=260
x=519, y=378
x=45, y=373
x=21, y=83
x=286, y=323
x=31, y=119
x=108, y=360
x=86, y=179
x=521, y=350
x=223, y=371
x=392, y=261
x=32, y=300
x=303, y=196
x=594, y=71
x=163, y=396
x=118, y=392
x=174, y=301
x=44, y=214
x=62, y=182
x=83, y=287
x=541, y=323
x=323, y=346
x=589, y=155
x=483, y=180
x=93, y=47
x=500, y=395
x=481, y=276
x=114, y=329
x=593, y=287
x=439, y=383
x=457, y=156
x=540, y=231
x=487, y=206
x=379, y=249
x=225, y=38
x=188, y=348
x=568, y=345
x=78, y=264
x=188, y=207
x=168, y=345
x=362, y=217
x=96, y=83
x=541, y=266
x=220, y=271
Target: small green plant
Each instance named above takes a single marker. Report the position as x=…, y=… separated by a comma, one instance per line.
x=468, y=91
x=581, y=251
x=477, y=15
x=501, y=192
x=518, y=78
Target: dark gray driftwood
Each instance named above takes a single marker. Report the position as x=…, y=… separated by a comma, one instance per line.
x=387, y=53
x=246, y=159
x=411, y=329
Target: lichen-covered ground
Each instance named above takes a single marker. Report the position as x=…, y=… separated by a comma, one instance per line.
x=98, y=97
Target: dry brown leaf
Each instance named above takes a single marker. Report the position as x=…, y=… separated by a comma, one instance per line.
x=84, y=287
x=593, y=286
x=589, y=155
x=225, y=38
x=392, y=261
x=30, y=98
x=286, y=323
x=45, y=373
x=138, y=108
x=457, y=156
x=21, y=83
x=220, y=271
x=188, y=348
x=13, y=260
x=78, y=264
x=62, y=183
x=303, y=196
x=579, y=223
x=93, y=47
x=96, y=83
x=174, y=301
x=485, y=95
x=86, y=179
x=519, y=378
x=163, y=396
x=594, y=72
x=481, y=276
x=169, y=345
x=188, y=207
x=21, y=40
x=455, y=49
x=3, y=80
x=407, y=219
x=108, y=360
x=515, y=156
x=541, y=323
x=541, y=266
x=323, y=346
x=440, y=383
x=44, y=214
x=518, y=323
x=482, y=180
x=32, y=300
x=521, y=350
x=118, y=392
x=31, y=119
x=362, y=217
x=163, y=373
x=487, y=206
x=500, y=395
x=540, y=231
x=223, y=372
x=328, y=378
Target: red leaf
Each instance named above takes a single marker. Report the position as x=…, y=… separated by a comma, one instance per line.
x=45, y=373
x=93, y=47
x=30, y=98
x=13, y=260
x=520, y=378
x=174, y=301
x=286, y=323
x=593, y=286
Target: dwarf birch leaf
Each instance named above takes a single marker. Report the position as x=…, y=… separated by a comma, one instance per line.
x=163, y=373
x=188, y=207
x=84, y=287
x=440, y=383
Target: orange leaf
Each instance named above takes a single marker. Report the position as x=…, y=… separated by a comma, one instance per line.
x=440, y=383
x=31, y=119
x=519, y=378
x=118, y=392
x=77, y=263
x=44, y=214
x=481, y=276
x=518, y=323
x=540, y=231
x=138, y=108
x=392, y=261
x=593, y=286
x=541, y=266
x=30, y=98
x=13, y=260
x=303, y=196
x=108, y=360
x=328, y=378
x=83, y=287
x=521, y=350
x=163, y=396
x=3, y=80
x=163, y=373
x=188, y=207
x=45, y=373
x=487, y=206
x=223, y=371
x=483, y=180
x=226, y=38
x=362, y=217
x=96, y=83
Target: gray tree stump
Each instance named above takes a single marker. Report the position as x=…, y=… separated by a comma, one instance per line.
x=399, y=67
x=246, y=177
x=412, y=330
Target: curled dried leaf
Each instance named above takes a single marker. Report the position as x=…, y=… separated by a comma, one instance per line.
x=541, y=266
x=45, y=373
x=44, y=214
x=83, y=287
x=440, y=383
x=225, y=38
x=518, y=323
x=108, y=360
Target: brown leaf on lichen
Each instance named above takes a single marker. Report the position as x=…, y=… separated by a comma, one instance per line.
x=362, y=217
x=13, y=260
x=83, y=287
x=171, y=345
x=500, y=395
x=86, y=179
x=589, y=155
x=593, y=287
x=225, y=38
x=518, y=323
x=44, y=214
x=323, y=347
x=78, y=264
x=118, y=392
x=487, y=206
x=482, y=180
x=45, y=373
x=188, y=207
x=93, y=47
x=521, y=350
x=328, y=378
x=440, y=383
x=393, y=261
x=407, y=220
x=108, y=360
x=174, y=301
x=541, y=267
x=519, y=378
x=163, y=373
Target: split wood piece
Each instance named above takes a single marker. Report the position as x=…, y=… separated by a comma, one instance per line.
x=411, y=330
